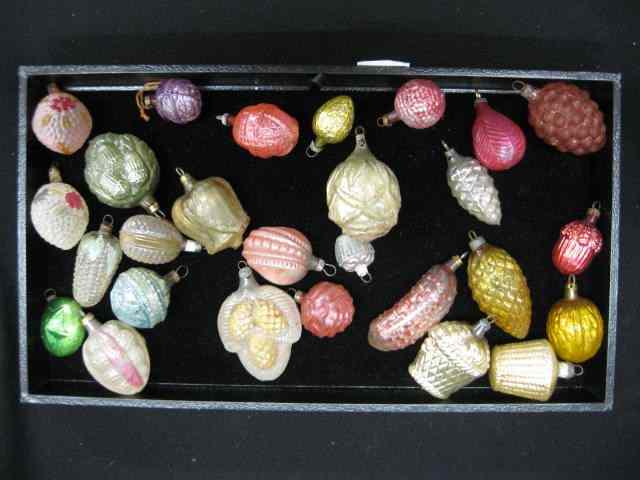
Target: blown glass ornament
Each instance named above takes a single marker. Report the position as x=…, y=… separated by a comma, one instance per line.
x=153, y=240
x=580, y=241
x=61, y=327
x=264, y=130
x=419, y=310
x=326, y=310
x=122, y=171
x=259, y=324
x=209, y=212
x=140, y=297
x=59, y=213
x=564, y=116
x=574, y=326
x=355, y=256
x=528, y=369
x=498, y=142
x=451, y=357
x=116, y=356
x=282, y=255
x=472, y=186
x=418, y=104
x=363, y=194
x=61, y=122
x=331, y=124
x=176, y=100
x=97, y=260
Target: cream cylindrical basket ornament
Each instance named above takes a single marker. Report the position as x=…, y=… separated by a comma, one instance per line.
x=451, y=357
x=528, y=369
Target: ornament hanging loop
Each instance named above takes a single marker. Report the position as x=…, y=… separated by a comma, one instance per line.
x=360, y=140
x=242, y=264
x=579, y=370
x=143, y=102
x=367, y=278
x=329, y=269
x=472, y=235
x=524, y=89
x=182, y=271
x=180, y=172
x=50, y=294
x=107, y=220
x=597, y=205
x=159, y=213
x=518, y=85
x=311, y=152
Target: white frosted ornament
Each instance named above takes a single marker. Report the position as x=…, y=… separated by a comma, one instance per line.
x=355, y=256
x=363, y=194
x=59, y=213
x=97, y=259
x=260, y=324
x=116, y=356
x=473, y=187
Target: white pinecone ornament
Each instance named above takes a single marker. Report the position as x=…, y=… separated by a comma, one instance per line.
x=473, y=187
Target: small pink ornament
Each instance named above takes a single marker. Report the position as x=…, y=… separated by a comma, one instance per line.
x=326, y=309
x=423, y=307
x=418, y=103
x=61, y=122
x=282, y=255
x=498, y=142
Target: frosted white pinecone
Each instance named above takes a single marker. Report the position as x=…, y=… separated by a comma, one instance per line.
x=473, y=187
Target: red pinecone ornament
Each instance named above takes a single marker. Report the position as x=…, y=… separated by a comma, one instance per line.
x=579, y=242
x=564, y=116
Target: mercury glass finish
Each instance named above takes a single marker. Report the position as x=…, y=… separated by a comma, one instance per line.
x=61, y=328
x=355, y=256
x=331, y=123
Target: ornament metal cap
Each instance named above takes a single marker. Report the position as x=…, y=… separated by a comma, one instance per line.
x=525, y=90
x=475, y=241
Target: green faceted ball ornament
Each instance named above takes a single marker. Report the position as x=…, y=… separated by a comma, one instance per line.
x=122, y=171
x=61, y=330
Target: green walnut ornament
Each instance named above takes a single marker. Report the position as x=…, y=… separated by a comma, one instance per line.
x=61, y=329
x=122, y=171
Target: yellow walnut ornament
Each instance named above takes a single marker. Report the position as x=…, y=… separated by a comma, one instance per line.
x=331, y=123
x=574, y=326
x=499, y=287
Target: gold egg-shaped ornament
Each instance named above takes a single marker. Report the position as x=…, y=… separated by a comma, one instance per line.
x=210, y=213
x=574, y=326
x=331, y=123
x=363, y=194
x=499, y=287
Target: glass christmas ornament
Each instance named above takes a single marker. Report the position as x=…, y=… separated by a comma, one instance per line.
x=61, y=122
x=564, y=116
x=116, y=356
x=355, y=256
x=122, y=171
x=140, y=297
x=472, y=186
x=528, y=369
x=153, y=240
x=418, y=104
x=498, y=142
x=210, y=213
x=363, y=194
x=282, y=255
x=451, y=357
x=59, y=213
x=264, y=130
x=326, y=309
x=259, y=324
x=580, y=241
x=97, y=260
x=331, y=124
x=61, y=327
x=176, y=100
x=419, y=310
x=574, y=326
x=499, y=287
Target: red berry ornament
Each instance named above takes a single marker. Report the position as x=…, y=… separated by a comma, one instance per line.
x=418, y=103
x=326, y=309
x=579, y=242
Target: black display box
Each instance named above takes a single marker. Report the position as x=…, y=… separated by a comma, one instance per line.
x=190, y=368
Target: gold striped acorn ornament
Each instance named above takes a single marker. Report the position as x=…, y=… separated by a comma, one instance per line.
x=59, y=213
x=528, y=369
x=451, y=357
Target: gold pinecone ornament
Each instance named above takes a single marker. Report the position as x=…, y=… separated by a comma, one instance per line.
x=499, y=287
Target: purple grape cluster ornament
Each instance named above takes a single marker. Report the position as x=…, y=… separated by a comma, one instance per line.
x=176, y=100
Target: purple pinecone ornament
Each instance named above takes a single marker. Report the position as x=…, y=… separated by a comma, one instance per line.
x=177, y=100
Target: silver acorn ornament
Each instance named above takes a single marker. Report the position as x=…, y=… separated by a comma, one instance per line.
x=473, y=187
x=153, y=240
x=97, y=259
x=354, y=255
x=451, y=357
x=140, y=297
x=59, y=213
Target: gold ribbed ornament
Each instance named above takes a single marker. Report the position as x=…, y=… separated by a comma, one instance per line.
x=499, y=287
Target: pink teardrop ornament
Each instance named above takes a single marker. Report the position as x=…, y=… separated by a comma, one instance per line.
x=418, y=104
x=282, y=255
x=498, y=142
x=326, y=310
